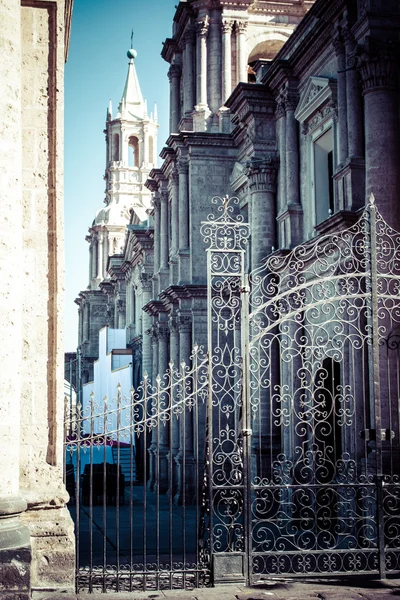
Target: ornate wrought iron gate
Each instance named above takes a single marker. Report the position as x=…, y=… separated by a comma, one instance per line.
x=277, y=455
x=134, y=470
x=304, y=403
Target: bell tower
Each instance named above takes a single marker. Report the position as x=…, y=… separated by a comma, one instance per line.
x=131, y=153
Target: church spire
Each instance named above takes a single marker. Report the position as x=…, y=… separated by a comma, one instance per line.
x=132, y=99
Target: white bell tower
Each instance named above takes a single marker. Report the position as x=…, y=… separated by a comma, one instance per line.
x=131, y=138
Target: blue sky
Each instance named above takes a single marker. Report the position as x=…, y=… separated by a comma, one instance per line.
x=95, y=72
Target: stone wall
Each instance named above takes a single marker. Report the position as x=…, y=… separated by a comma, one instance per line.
x=39, y=550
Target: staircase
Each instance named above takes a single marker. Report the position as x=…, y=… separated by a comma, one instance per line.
x=125, y=456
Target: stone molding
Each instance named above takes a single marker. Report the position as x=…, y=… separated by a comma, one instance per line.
x=262, y=174
x=163, y=332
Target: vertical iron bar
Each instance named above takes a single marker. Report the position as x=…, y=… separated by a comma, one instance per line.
x=157, y=483
x=196, y=456
x=117, y=481
x=170, y=473
x=91, y=492
x=78, y=490
x=375, y=387
x=247, y=432
x=132, y=458
x=105, y=408
x=185, y=408
x=147, y=426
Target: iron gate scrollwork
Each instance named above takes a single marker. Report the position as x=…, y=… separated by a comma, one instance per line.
x=304, y=474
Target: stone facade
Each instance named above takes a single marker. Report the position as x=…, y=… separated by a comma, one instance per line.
x=301, y=125
x=36, y=532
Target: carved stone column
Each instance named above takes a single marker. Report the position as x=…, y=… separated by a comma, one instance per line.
x=164, y=232
x=174, y=75
x=262, y=176
x=214, y=63
x=188, y=90
x=201, y=46
x=162, y=451
x=292, y=151
x=281, y=119
x=226, y=27
x=338, y=45
x=146, y=285
x=174, y=357
x=354, y=100
x=174, y=246
x=184, y=458
x=378, y=69
x=153, y=446
x=100, y=255
x=121, y=313
x=183, y=257
x=241, y=28
x=157, y=208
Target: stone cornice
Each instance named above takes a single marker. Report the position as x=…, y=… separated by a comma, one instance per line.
x=170, y=46
x=154, y=308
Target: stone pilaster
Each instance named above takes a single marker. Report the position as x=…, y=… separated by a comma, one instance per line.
x=174, y=246
x=378, y=66
x=338, y=45
x=174, y=430
x=202, y=28
x=241, y=28
x=157, y=209
x=183, y=254
x=226, y=27
x=262, y=176
x=353, y=100
x=184, y=458
x=164, y=241
x=162, y=449
x=214, y=62
x=100, y=255
x=146, y=285
x=189, y=79
x=174, y=75
x=153, y=446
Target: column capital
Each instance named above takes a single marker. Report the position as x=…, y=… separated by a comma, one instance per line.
x=163, y=331
x=226, y=25
x=174, y=72
x=262, y=173
x=280, y=110
x=156, y=201
x=146, y=282
x=202, y=27
x=377, y=65
x=241, y=26
x=189, y=36
x=183, y=166
x=184, y=324
x=164, y=197
x=175, y=175
x=338, y=43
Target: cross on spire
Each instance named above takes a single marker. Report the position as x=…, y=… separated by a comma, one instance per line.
x=132, y=39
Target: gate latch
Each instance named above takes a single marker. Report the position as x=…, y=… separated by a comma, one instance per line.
x=247, y=432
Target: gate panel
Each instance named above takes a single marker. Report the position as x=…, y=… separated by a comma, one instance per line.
x=136, y=503
x=324, y=402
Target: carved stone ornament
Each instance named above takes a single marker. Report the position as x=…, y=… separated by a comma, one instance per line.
x=146, y=282
x=98, y=310
x=262, y=173
x=202, y=27
x=316, y=102
x=226, y=26
x=241, y=26
x=174, y=71
x=378, y=68
x=184, y=324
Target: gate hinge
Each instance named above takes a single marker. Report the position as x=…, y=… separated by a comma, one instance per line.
x=247, y=432
x=245, y=289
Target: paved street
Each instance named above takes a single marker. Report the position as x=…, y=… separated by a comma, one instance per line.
x=357, y=588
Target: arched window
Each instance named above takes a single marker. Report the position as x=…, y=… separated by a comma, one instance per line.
x=116, y=147
x=151, y=149
x=133, y=152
